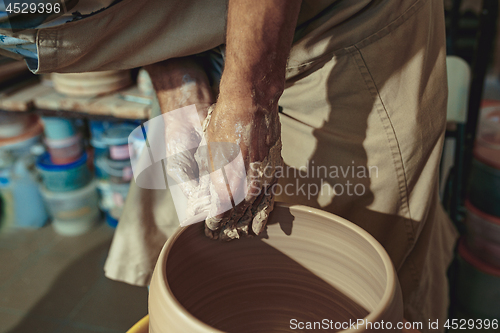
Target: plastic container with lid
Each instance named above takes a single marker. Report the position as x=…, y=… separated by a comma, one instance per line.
x=58, y=128
x=64, y=177
x=116, y=138
x=100, y=148
x=100, y=152
x=478, y=285
x=21, y=145
x=64, y=151
x=484, y=185
x=112, y=195
x=14, y=124
x=115, y=171
x=74, y=212
x=483, y=235
x=97, y=127
x=487, y=147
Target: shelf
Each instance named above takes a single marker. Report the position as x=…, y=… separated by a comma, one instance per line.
x=128, y=103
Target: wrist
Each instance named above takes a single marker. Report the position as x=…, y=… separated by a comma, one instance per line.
x=247, y=94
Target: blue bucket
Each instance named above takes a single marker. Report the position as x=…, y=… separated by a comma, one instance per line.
x=63, y=177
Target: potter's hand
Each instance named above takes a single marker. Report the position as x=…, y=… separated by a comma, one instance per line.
x=259, y=34
x=245, y=181
x=183, y=135
x=180, y=83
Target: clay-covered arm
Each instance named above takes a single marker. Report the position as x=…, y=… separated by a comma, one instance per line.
x=258, y=41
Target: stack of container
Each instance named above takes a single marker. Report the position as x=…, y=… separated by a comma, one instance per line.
x=478, y=281
x=67, y=183
x=113, y=168
x=21, y=204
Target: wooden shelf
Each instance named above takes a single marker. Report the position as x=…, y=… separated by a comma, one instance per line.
x=128, y=103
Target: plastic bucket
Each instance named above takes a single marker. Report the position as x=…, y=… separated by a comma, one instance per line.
x=112, y=195
x=484, y=188
x=483, y=235
x=100, y=148
x=115, y=171
x=100, y=151
x=487, y=147
x=64, y=177
x=58, y=128
x=74, y=212
x=14, y=124
x=478, y=285
x=21, y=144
x=116, y=138
x=65, y=151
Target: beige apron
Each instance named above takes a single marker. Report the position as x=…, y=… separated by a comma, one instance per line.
x=365, y=98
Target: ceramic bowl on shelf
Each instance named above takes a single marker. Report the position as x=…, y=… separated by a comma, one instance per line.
x=91, y=83
x=309, y=265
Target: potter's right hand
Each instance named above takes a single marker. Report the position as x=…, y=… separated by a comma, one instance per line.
x=244, y=155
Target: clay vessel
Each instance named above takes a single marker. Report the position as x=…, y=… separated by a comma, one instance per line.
x=91, y=83
x=310, y=266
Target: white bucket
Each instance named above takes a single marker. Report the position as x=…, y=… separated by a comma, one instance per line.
x=74, y=213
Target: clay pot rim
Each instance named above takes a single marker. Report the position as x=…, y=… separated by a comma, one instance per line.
x=373, y=316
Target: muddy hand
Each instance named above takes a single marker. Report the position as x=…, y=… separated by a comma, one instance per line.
x=244, y=156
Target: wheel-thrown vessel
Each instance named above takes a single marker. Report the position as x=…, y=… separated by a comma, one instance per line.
x=310, y=266
x=91, y=83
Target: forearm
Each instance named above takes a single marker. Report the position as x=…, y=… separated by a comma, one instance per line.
x=258, y=41
x=181, y=82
